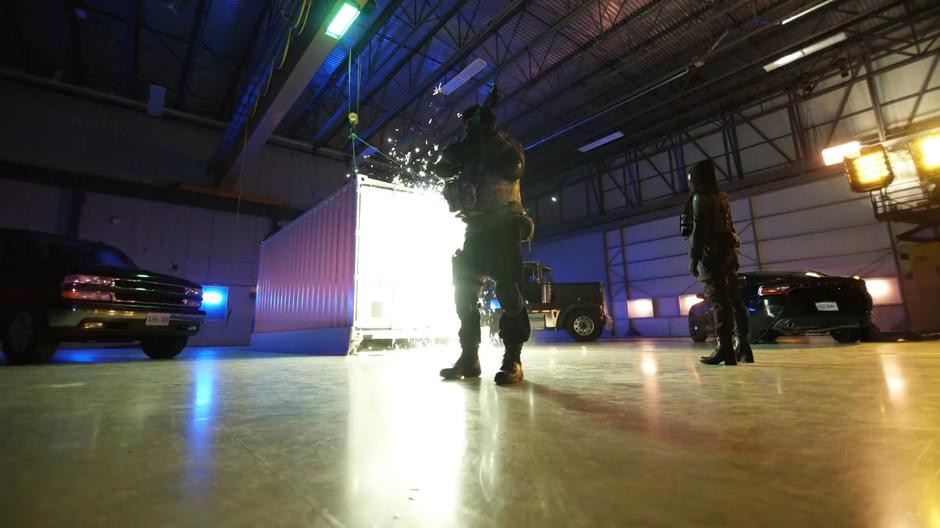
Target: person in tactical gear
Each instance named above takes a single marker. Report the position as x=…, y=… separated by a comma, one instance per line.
x=713, y=256
x=482, y=173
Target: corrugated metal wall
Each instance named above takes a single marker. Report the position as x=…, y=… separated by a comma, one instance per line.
x=307, y=270
x=821, y=226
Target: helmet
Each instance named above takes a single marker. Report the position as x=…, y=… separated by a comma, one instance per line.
x=702, y=176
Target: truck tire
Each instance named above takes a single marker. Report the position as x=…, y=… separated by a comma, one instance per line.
x=163, y=347
x=584, y=325
x=26, y=339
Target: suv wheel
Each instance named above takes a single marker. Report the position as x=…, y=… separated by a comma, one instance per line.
x=163, y=347
x=583, y=325
x=26, y=340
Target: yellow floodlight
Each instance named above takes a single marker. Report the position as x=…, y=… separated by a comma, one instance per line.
x=926, y=154
x=870, y=170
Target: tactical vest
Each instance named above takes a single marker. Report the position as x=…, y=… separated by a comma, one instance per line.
x=723, y=235
x=479, y=190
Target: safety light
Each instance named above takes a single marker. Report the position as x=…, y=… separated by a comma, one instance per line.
x=344, y=17
x=215, y=302
x=883, y=291
x=870, y=170
x=686, y=302
x=926, y=154
x=836, y=155
x=640, y=308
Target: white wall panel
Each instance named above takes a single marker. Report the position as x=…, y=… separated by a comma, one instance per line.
x=576, y=259
x=652, y=230
x=814, y=194
x=825, y=244
x=854, y=213
x=204, y=246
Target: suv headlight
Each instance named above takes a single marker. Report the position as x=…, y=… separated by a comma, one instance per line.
x=84, y=288
x=193, y=297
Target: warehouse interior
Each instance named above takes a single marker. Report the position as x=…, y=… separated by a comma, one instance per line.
x=273, y=161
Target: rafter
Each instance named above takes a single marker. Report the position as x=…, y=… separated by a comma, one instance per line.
x=195, y=44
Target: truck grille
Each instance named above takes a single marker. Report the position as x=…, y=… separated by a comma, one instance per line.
x=144, y=292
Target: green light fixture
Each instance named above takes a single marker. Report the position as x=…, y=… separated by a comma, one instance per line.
x=344, y=17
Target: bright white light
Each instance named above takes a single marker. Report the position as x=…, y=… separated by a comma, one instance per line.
x=836, y=155
x=640, y=308
x=403, y=268
x=554, y=198
x=602, y=141
x=344, y=18
x=686, y=302
x=894, y=378
x=805, y=12
x=808, y=50
x=465, y=75
x=648, y=365
x=883, y=291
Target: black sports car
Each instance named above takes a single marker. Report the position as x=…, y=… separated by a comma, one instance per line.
x=794, y=303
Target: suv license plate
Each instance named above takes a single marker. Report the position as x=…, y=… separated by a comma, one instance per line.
x=158, y=319
x=827, y=307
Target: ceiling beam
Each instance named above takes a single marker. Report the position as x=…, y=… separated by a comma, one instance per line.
x=69, y=40
x=195, y=42
x=260, y=113
x=11, y=14
x=332, y=125
x=228, y=103
x=131, y=47
x=337, y=74
x=421, y=90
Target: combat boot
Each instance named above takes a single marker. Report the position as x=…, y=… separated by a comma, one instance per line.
x=743, y=351
x=511, y=370
x=724, y=353
x=467, y=366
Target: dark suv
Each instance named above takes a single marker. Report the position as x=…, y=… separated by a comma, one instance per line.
x=55, y=289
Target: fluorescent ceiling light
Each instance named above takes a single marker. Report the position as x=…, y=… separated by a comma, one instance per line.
x=602, y=141
x=835, y=155
x=465, y=75
x=342, y=20
x=805, y=12
x=808, y=50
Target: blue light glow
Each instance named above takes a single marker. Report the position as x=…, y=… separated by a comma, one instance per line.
x=211, y=298
x=494, y=305
x=215, y=302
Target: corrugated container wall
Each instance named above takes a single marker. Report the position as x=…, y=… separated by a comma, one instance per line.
x=307, y=270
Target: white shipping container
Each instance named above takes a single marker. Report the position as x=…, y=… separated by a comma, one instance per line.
x=373, y=261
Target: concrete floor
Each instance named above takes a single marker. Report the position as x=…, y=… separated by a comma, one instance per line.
x=614, y=434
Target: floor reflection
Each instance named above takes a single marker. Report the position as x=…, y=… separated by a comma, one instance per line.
x=200, y=438
x=406, y=445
